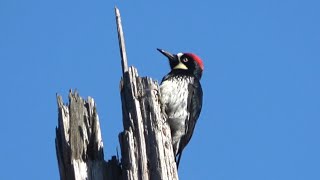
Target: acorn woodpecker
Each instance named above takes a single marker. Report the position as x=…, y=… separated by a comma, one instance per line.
x=181, y=97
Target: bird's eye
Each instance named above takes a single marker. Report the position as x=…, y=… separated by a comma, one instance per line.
x=185, y=60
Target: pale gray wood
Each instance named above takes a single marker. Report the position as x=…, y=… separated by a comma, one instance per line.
x=159, y=146
x=122, y=46
x=146, y=146
x=146, y=140
x=79, y=143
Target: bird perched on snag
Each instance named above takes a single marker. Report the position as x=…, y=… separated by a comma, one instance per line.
x=181, y=97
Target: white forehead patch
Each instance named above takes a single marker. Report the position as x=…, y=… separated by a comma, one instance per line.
x=179, y=55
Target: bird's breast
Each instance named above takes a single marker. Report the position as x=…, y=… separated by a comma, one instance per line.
x=174, y=97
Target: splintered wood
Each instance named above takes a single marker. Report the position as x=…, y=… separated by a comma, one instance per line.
x=146, y=140
x=79, y=145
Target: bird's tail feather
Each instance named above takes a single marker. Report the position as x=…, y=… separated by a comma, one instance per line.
x=178, y=160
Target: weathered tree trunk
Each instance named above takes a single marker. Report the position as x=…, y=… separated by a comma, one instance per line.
x=79, y=145
x=146, y=147
x=146, y=140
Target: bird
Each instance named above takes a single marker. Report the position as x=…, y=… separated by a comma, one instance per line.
x=181, y=97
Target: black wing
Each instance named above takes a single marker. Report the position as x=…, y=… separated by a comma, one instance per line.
x=194, y=107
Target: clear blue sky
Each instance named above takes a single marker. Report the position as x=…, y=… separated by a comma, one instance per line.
x=261, y=112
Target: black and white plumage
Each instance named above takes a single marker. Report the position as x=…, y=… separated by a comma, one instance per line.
x=181, y=97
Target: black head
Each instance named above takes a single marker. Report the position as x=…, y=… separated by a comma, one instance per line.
x=185, y=61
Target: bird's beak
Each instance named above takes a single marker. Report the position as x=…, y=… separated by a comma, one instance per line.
x=173, y=60
x=170, y=56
